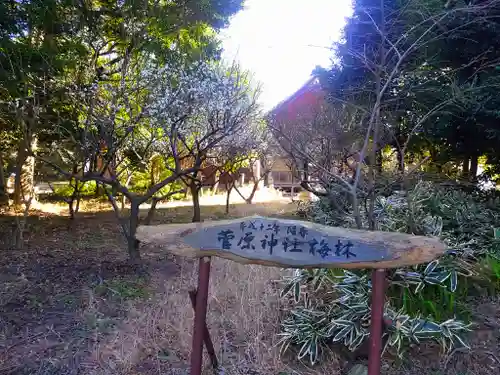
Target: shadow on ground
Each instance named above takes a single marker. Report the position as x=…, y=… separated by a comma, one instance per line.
x=71, y=285
x=70, y=303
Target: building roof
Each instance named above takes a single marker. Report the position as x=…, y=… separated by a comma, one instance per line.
x=312, y=84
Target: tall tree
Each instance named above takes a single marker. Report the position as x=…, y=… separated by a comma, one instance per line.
x=218, y=104
x=398, y=64
x=53, y=48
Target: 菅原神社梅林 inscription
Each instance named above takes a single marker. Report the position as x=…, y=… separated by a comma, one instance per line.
x=271, y=239
x=292, y=243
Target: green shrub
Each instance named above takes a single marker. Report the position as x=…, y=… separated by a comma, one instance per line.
x=66, y=190
x=141, y=182
x=425, y=302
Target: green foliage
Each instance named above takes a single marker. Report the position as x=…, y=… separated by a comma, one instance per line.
x=440, y=94
x=489, y=269
x=141, y=182
x=416, y=88
x=434, y=301
x=425, y=302
x=86, y=189
x=340, y=313
x=62, y=60
x=464, y=219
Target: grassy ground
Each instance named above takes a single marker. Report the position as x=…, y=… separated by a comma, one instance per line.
x=70, y=304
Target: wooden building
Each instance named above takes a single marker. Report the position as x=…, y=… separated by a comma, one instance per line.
x=297, y=108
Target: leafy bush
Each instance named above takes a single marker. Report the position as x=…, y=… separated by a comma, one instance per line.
x=66, y=190
x=142, y=180
x=344, y=316
x=425, y=302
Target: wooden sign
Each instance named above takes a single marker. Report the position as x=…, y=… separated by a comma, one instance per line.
x=292, y=243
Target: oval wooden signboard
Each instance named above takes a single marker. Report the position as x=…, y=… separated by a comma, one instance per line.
x=292, y=243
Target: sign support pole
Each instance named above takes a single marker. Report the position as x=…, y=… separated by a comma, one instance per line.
x=200, y=315
x=377, y=318
x=329, y=247
x=209, y=345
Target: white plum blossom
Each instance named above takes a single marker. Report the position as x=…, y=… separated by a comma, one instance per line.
x=201, y=106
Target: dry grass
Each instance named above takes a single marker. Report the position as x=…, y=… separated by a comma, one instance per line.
x=243, y=319
x=243, y=313
x=70, y=304
x=125, y=327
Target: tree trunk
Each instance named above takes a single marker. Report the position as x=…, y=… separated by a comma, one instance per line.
x=379, y=161
x=465, y=168
x=195, y=193
x=71, y=208
x=217, y=181
x=74, y=201
x=20, y=160
x=152, y=211
x=123, y=199
x=4, y=197
x=77, y=203
x=128, y=225
x=256, y=171
x=355, y=211
x=266, y=178
x=473, y=168
x=229, y=188
x=254, y=190
x=21, y=221
x=97, y=191
x=401, y=161
x=214, y=188
x=75, y=196
x=132, y=242
x=25, y=172
x=252, y=193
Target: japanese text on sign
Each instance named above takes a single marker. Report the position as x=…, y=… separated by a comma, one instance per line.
x=292, y=244
x=254, y=234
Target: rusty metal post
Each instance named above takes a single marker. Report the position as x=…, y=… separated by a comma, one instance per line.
x=377, y=316
x=200, y=314
x=209, y=345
